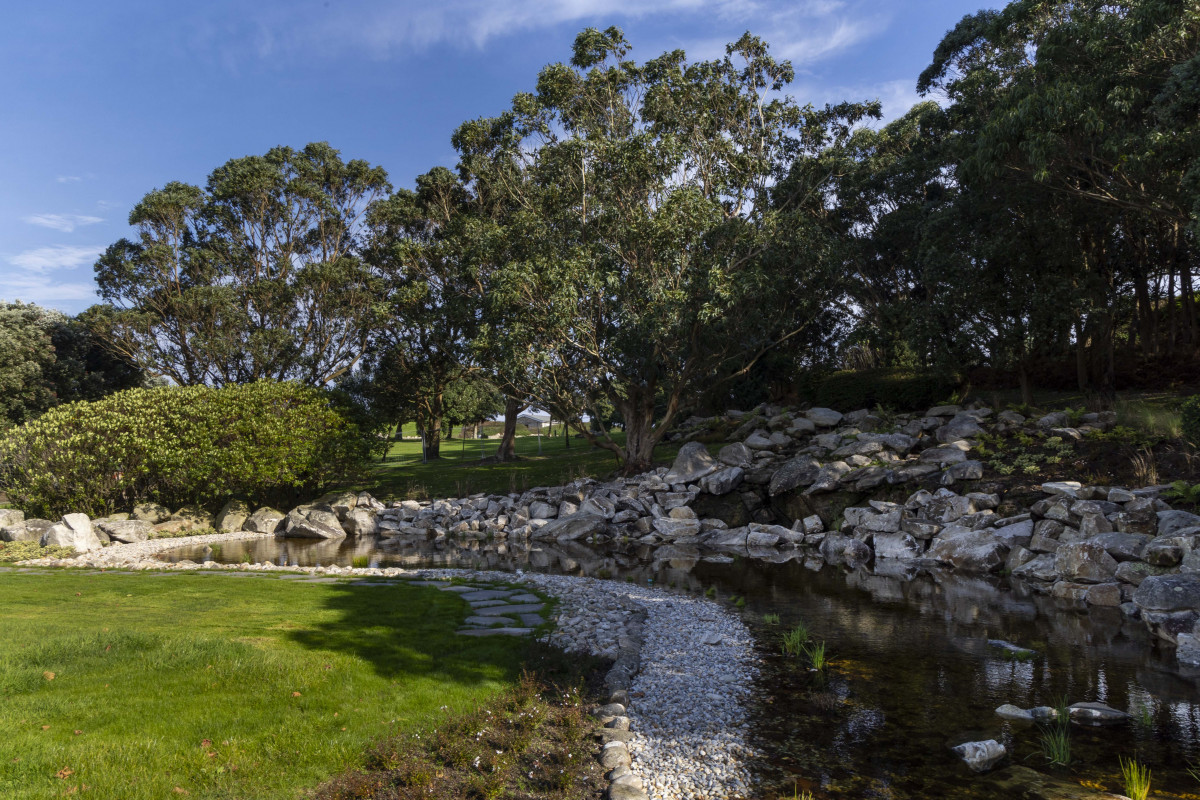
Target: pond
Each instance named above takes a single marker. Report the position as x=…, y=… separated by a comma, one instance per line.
x=912, y=672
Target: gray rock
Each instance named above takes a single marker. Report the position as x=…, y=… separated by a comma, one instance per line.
x=829, y=477
x=1168, y=593
x=1096, y=714
x=361, y=522
x=151, y=512
x=127, y=531
x=736, y=455
x=837, y=549
x=691, y=464
x=1057, y=419
x=1014, y=713
x=1104, y=594
x=10, y=517
x=1040, y=568
x=540, y=510
x=981, y=756
x=576, y=526
x=970, y=551
x=613, y=755
x=1188, y=649
x=943, y=455
x=31, y=530
x=958, y=428
x=944, y=411
x=232, y=517
x=316, y=525
x=723, y=482
x=758, y=538
x=759, y=440
x=1166, y=551
x=900, y=546
x=266, y=520
x=1122, y=546
x=1085, y=562
x=75, y=531
x=671, y=528
x=823, y=417
x=1019, y=533
x=968, y=470
x=1170, y=522
x=1064, y=488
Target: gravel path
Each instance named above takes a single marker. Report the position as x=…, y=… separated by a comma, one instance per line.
x=688, y=708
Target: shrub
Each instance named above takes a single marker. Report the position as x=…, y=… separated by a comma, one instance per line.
x=267, y=442
x=1190, y=420
x=899, y=389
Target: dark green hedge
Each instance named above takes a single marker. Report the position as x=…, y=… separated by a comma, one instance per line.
x=1190, y=420
x=896, y=389
x=267, y=442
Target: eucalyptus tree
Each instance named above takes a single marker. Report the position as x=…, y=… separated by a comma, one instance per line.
x=257, y=275
x=647, y=248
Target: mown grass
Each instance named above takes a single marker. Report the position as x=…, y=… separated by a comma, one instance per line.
x=155, y=686
x=459, y=471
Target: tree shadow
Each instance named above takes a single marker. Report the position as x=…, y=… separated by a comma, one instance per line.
x=410, y=631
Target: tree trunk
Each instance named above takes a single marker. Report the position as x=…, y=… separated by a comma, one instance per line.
x=1081, y=356
x=639, y=435
x=508, y=443
x=1026, y=388
x=433, y=431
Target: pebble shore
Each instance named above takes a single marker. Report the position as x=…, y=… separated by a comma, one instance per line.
x=691, y=662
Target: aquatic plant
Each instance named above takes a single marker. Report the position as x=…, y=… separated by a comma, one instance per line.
x=770, y=619
x=216, y=551
x=740, y=602
x=361, y=561
x=1136, y=778
x=816, y=656
x=246, y=558
x=1056, y=745
x=795, y=640
x=711, y=592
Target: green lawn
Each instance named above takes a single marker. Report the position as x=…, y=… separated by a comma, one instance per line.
x=459, y=471
x=160, y=685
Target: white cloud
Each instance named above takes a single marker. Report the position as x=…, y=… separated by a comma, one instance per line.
x=802, y=30
x=46, y=291
x=69, y=178
x=62, y=222
x=46, y=259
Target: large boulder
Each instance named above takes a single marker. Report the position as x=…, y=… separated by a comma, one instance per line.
x=29, y=530
x=736, y=455
x=265, y=520
x=823, y=417
x=799, y=471
x=232, y=516
x=901, y=546
x=361, y=522
x=970, y=551
x=1085, y=562
x=1169, y=604
x=1170, y=522
x=961, y=427
x=691, y=464
x=75, y=530
x=10, y=517
x=153, y=513
x=126, y=530
x=313, y=525
x=575, y=526
x=981, y=756
x=723, y=482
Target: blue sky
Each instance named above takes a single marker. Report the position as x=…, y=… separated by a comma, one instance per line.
x=102, y=102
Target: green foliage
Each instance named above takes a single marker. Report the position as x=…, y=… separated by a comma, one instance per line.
x=256, y=276
x=20, y=551
x=817, y=657
x=896, y=388
x=1056, y=745
x=1135, y=777
x=770, y=619
x=1190, y=420
x=268, y=442
x=1183, y=492
x=795, y=640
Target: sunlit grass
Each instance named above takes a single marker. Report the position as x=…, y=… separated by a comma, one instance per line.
x=1136, y=779
x=133, y=685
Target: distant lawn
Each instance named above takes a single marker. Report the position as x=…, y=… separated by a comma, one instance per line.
x=218, y=686
x=459, y=472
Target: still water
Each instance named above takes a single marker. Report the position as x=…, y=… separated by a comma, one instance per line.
x=911, y=672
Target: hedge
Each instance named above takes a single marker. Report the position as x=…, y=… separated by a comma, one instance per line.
x=266, y=442
x=899, y=390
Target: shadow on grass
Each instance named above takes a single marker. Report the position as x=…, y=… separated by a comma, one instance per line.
x=409, y=631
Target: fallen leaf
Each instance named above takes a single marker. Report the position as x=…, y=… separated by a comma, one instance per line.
x=71, y=790
x=295, y=694
x=335, y=713
x=78, y=732
x=15, y=760
x=65, y=773
x=211, y=754
x=48, y=675
x=343, y=727
x=107, y=647
x=206, y=742
x=45, y=727
x=180, y=790
x=79, y=594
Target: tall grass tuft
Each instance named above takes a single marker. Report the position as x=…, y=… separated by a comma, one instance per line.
x=1150, y=418
x=817, y=658
x=1136, y=778
x=1056, y=745
x=795, y=640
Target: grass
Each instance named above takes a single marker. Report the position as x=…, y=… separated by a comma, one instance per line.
x=770, y=619
x=817, y=658
x=1136, y=779
x=458, y=472
x=156, y=685
x=795, y=640
x=1056, y=745
x=20, y=551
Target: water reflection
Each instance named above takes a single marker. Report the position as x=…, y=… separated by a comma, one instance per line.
x=913, y=672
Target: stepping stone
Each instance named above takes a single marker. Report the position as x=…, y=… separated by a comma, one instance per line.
x=495, y=632
x=487, y=622
x=459, y=589
x=488, y=603
x=316, y=580
x=496, y=611
x=371, y=583
x=486, y=594
x=427, y=583
x=532, y=620
x=525, y=598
